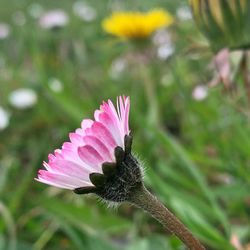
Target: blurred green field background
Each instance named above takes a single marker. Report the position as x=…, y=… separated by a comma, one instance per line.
x=196, y=152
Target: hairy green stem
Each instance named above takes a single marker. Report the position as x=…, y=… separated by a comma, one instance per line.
x=142, y=198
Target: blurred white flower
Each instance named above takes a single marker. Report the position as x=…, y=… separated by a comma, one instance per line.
x=117, y=67
x=4, y=30
x=53, y=19
x=35, y=10
x=161, y=37
x=164, y=51
x=184, y=13
x=200, y=92
x=84, y=11
x=55, y=85
x=23, y=98
x=19, y=18
x=162, y=40
x=4, y=118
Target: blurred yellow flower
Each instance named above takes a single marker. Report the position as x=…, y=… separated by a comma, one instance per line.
x=136, y=25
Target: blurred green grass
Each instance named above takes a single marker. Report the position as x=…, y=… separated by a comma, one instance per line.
x=196, y=153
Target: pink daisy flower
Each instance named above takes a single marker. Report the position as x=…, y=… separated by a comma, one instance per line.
x=89, y=148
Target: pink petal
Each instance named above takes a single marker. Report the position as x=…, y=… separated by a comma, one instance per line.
x=90, y=156
x=102, y=133
x=68, y=145
x=123, y=106
x=76, y=138
x=86, y=123
x=51, y=183
x=61, y=180
x=51, y=157
x=126, y=116
x=98, y=146
x=119, y=116
x=79, y=131
x=70, y=169
x=72, y=155
x=109, y=123
x=58, y=153
x=69, y=152
x=111, y=111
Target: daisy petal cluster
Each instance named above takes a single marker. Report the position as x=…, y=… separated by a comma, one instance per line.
x=136, y=25
x=90, y=146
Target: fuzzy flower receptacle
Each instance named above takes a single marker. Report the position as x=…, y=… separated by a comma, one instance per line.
x=135, y=24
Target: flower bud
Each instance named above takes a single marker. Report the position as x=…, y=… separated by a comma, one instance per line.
x=224, y=23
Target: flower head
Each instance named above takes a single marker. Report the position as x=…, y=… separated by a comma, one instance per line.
x=4, y=118
x=200, y=92
x=93, y=159
x=23, y=98
x=4, y=30
x=53, y=19
x=136, y=25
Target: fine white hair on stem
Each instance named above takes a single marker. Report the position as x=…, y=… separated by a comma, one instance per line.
x=142, y=164
x=109, y=204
